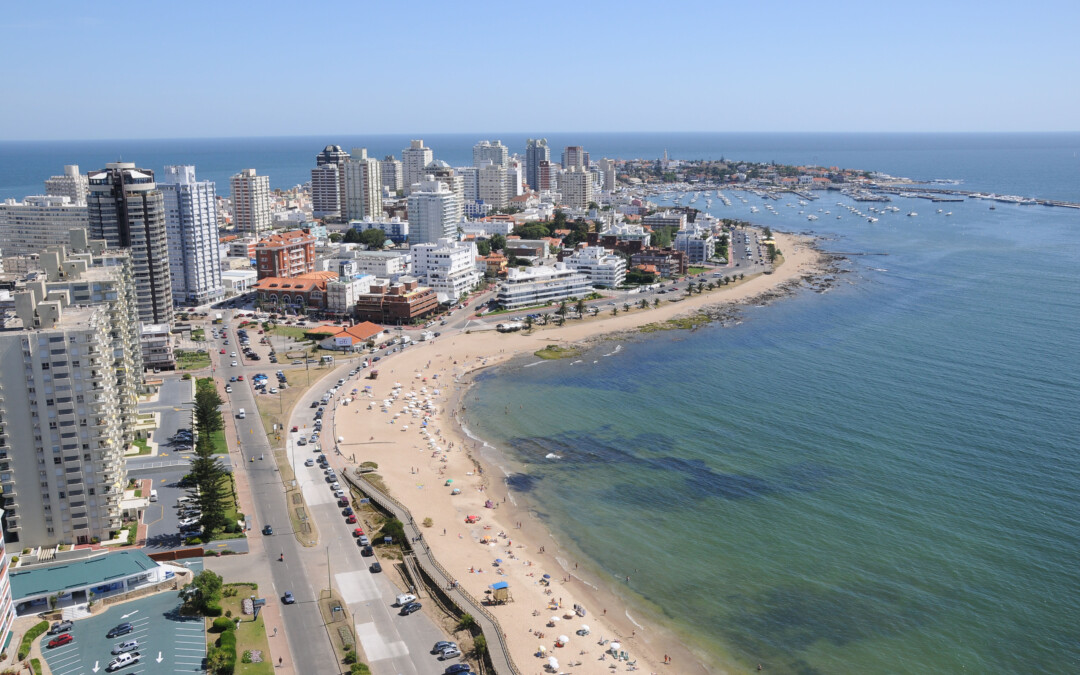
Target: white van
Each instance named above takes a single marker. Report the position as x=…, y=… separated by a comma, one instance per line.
x=240, y=414
x=153, y=495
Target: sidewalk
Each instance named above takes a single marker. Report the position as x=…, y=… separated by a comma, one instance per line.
x=253, y=566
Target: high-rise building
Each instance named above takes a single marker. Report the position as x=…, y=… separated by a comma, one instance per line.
x=125, y=208
x=414, y=159
x=576, y=186
x=470, y=182
x=514, y=179
x=607, y=173
x=493, y=183
x=447, y=266
x=546, y=176
x=72, y=185
x=363, y=186
x=536, y=151
x=7, y=606
x=442, y=172
x=192, y=228
x=433, y=212
x=486, y=151
x=37, y=222
x=69, y=371
x=332, y=155
x=325, y=195
x=575, y=155
x=393, y=177
x=251, y=202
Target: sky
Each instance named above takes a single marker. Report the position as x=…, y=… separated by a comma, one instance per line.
x=194, y=69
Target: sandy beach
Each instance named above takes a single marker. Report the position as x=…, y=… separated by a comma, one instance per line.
x=419, y=450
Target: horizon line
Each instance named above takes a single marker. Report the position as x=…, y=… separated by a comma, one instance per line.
x=421, y=135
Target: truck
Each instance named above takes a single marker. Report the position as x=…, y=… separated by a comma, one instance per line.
x=122, y=661
x=426, y=335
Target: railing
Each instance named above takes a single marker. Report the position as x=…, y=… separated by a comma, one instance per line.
x=498, y=650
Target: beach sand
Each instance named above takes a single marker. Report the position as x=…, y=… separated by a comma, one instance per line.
x=416, y=474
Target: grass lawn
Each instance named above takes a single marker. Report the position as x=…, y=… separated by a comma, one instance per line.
x=295, y=332
x=696, y=270
x=192, y=360
x=198, y=335
x=251, y=634
x=217, y=439
x=143, y=445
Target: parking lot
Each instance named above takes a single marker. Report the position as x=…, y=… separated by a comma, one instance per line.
x=168, y=643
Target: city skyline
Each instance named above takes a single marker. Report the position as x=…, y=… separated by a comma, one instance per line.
x=694, y=68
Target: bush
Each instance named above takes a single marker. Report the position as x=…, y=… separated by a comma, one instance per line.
x=480, y=646
x=221, y=624
x=428, y=522
x=193, y=541
x=213, y=609
x=246, y=658
x=467, y=622
x=359, y=669
x=31, y=635
x=392, y=528
x=350, y=658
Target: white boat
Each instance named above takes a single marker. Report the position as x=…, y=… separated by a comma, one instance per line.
x=912, y=214
x=811, y=217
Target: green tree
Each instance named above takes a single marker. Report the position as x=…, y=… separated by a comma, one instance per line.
x=352, y=236
x=558, y=220
x=561, y=311
x=203, y=591
x=373, y=238
x=643, y=303
x=483, y=247
x=336, y=237
x=529, y=322
x=614, y=311
x=656, y=302
x=498, y=242
x=580, y=307
x=593, y=206
x=533, y=231
x=626, y=306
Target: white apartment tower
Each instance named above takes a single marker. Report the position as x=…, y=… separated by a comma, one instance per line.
x=607, y=174
x=363, y=186
x=486, y=151
x=393, y=177
x=192, y=229
x=433, y=212
x=127, y=210
x=69, y=368
x=493, y=185
x=447, y=266
x=575, y=155
x=72, y=185
x=332, y=204
x=576, y=186
x=29, y=226
x=251, y=202
x=414, y=159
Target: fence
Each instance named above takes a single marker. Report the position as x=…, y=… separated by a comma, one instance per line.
x=498, y=651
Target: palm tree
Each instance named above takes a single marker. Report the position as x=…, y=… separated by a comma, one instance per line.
x=580, y=307
x=528, y=322
x=644, y=303
x=614, y=311
x=711, y=285
x=626, y=306
x=656, y=302
x=562, y=309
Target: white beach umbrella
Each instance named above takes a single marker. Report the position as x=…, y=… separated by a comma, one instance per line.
x=563, y=639
x=553, y=663
x=556, y=619
x=614, y=647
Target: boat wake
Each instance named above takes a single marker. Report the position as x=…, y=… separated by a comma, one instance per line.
x=530, y=365
x=552, y=455
x=618, y=348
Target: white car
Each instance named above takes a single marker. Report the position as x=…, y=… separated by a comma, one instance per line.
x=404, y=599
x=335, y=486
x=273, y=390
x=234, y=364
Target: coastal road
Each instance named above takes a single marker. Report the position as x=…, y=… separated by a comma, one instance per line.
x=308, y=644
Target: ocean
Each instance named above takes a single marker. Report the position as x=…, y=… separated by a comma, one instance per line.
x=881, y=478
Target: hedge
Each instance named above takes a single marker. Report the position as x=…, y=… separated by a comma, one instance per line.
x=31, y=635
x=222, y=624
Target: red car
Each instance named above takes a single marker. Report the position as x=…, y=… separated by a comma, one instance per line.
x=358, y=532
x=351, y=519
x=61, y=640
x=222, y=351
x=295, y=428
x=239, y=378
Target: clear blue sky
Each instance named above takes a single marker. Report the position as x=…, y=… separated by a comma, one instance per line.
x=78, y=70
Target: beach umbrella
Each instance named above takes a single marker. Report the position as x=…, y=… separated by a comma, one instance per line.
x=614, y=647
x=585, y=628
x=553, y=663
x=547, y=576
x=498, y=561
x=556, y=619
x=563, y=639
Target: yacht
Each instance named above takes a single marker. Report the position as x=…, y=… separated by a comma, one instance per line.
x=912, y=214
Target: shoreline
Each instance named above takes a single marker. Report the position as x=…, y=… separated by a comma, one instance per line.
x=517, y=536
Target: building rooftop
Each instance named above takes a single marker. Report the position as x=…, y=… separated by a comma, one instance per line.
x=78, y=574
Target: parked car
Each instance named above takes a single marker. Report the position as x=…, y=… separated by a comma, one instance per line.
x=309, y=462
x=367, y=552
x=441, y=644
x=124, y=647
x=120, y=629
x=364, y=541
x=449, y=653
x=375, y=567
x=288, y=598
x=409, y=608
x=60, y=640
x=457, y=669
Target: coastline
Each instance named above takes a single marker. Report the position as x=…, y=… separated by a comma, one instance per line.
x=475, y=468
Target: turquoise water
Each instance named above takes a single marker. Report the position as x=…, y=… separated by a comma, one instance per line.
x=880, y=478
